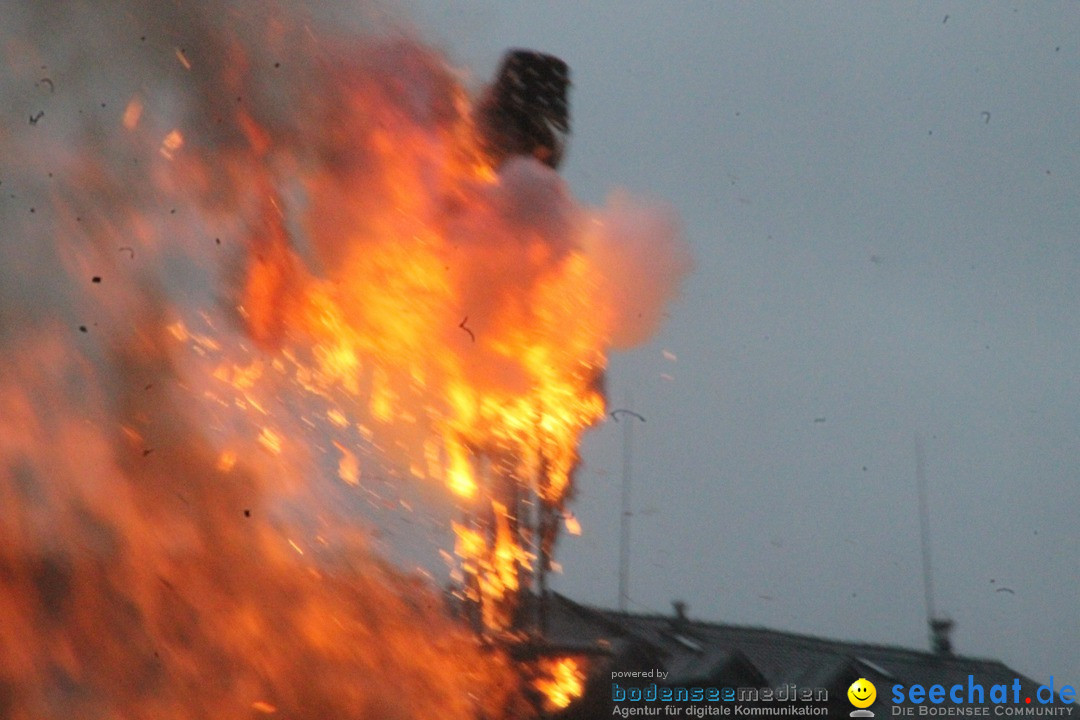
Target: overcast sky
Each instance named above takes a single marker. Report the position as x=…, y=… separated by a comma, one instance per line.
x=882, y=204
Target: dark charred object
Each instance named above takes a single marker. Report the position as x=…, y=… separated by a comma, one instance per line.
x=525, y=111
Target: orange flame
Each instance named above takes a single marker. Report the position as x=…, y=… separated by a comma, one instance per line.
x=560, y=681
x=455, y=305
x=458, y=313
x=306, y=275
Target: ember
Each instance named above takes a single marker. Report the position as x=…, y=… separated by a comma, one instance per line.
x=561, y=681
x=188, y=552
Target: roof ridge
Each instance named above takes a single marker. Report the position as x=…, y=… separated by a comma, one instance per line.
x=613, y=619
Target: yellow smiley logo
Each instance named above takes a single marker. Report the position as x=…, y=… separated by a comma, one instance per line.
x=862, y=693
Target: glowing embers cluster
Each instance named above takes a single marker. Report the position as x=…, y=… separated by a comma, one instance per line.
x=560, y=682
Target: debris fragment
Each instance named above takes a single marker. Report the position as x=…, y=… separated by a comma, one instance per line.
x=46, y=81
x=127, y=249
x=147, y=451
x=462, y=326
x=1005, y=589
x=82, y=328
x=615, y=414
x=986, y=117
x=35, y=118
x=96, y=279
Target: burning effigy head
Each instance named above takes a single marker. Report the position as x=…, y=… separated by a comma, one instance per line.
x=525, y=111
x=261, y=283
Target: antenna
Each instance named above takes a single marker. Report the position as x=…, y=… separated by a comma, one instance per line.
x=624, y=522
x=940, y=627
x=924, y=529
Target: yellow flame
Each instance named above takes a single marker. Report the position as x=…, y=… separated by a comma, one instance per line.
x=460, y=479
x=560, y=681
x=469, y=338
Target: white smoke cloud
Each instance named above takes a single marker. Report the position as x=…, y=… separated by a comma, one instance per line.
x=643, y=258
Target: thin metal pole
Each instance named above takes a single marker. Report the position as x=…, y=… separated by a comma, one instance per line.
x=627, y=513
x=924, y=530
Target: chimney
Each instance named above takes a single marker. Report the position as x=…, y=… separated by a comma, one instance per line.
x=940, y=631
x=680, y=620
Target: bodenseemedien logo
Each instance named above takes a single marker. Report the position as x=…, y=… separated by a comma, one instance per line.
x=862, y=694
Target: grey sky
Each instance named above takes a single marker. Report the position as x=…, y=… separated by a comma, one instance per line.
x=871, y=248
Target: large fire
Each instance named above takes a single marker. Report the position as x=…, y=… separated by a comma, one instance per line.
x=283, y=256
